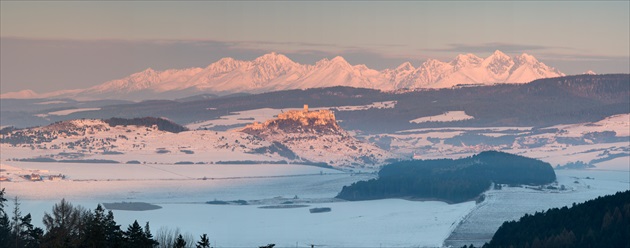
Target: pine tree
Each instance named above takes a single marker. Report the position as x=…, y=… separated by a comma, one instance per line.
x=96, y=235
x=16, y=229
x=29, y=234
x=150, y=242
x=134, y=236
x=180, y=242
x=114, y=235
x=204, y=242
x=5, y=225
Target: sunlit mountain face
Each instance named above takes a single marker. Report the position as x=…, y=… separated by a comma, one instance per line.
x=273, y=72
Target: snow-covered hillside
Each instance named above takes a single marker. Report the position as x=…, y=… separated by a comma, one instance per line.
x=95, y=139
x=92, y=140
x=604, y=144
x=315, y=136
x=273, y=72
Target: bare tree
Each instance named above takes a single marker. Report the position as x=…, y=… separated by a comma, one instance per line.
x=65, y=224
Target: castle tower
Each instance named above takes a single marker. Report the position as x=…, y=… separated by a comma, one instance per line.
x=305, y=107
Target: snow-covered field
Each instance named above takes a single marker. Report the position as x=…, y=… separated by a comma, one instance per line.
x=594, y=143
x=445, y=117
x=70, y=111
x=182, y=190
x=66, y=111
x=181, y=194
x=510, y=203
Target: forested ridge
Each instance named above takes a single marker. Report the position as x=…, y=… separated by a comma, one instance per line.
x=161, y=123
x=450, y=180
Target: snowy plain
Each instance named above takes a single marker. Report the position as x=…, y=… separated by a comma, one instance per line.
x=182, y=192
x=182, y=196
x=510, y=203
x=445, y=117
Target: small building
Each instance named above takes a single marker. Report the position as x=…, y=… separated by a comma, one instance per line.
x=35, y=177
x=56, y=177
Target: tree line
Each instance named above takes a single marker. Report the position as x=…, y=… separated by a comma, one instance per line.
x=70, y=226
x=601, y=222
x=162, y=124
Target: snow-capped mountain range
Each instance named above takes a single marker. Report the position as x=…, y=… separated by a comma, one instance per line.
x=273, y=72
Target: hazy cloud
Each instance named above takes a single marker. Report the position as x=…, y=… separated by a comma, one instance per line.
x=47, y=64
x=491, y=47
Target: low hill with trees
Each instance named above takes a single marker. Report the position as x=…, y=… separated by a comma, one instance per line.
x=161, y=123
x=450, y=180
x=602, y=222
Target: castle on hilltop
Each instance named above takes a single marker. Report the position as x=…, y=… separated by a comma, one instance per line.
x=304, y=118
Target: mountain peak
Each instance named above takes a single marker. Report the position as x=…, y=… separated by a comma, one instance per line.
x=407, y=66
x=339, y=59
x=20, y=94
x=463, y=60
x=499, y=54
x=226, y=60
x=433, y=61
x=274, y=71
x=526, y=58
x=273, y=57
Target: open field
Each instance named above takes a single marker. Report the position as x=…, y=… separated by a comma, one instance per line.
x=182, y=196
x=510, y=203
x=181, y=192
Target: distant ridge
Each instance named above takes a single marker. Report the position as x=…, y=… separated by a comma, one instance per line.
x=273, y=72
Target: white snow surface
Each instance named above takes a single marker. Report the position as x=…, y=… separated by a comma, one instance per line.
x=51, y=102
x=445, y=117
x=619, y=123
x=511, y=203
x=70, y=111
x=549, y=146
x=273, y=72
x=391, y=222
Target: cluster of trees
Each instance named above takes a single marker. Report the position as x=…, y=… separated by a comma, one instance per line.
x=162, y=124
x=74, y=226
x=450, y=180
x=602, y=222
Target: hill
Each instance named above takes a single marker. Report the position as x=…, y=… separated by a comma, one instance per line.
x=602, y=222
x=450, y=180
x=307, y=137
x=316, y=136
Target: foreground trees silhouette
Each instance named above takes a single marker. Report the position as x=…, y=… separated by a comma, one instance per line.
x=602, y=222
x=70, y=226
